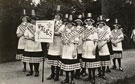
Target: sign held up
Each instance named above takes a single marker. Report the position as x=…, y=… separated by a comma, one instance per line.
x=44, y=31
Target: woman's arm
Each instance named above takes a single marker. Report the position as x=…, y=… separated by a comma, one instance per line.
x=19, y=35
x=132, y=35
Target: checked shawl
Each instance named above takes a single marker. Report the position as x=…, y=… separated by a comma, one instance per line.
x=88, y=32
x=57, y=25
x=31, y=29
x=102, y=34
x=67, y=37
x=115, y=35
x=23, y=26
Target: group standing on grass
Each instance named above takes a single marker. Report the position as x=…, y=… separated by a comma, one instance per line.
x=80, y=44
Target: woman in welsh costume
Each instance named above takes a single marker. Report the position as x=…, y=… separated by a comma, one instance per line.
x=65, y=21
x=117, y=37
x=104, y=34
x=20, y=34
x=69, y=61
x=54, y=51
x=90, y=39
x=79, y=28
x=133, y=35
x=33, y=50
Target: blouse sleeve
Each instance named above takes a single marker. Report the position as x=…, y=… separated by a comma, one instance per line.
x=18, y=30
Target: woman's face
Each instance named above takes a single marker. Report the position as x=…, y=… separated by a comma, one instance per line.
x=89, y=22
x=116, y=27
x=57, y=17
x=24, y=19
x=33, y=21
x=100, y=25
x=78, y=23
x=69, y=25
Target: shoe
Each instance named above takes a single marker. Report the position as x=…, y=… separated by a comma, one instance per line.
x=104, y=77
x=98, y=75
x=108, y=70
x=61, y=73
x=87, y=79
x=65, y=81
x=83, y=74
x=36, y=74
x=56, y=79
x=24, y=70
x=114, y=67
x=77, y=77
x=72, y=82
x=50, y=77
x=93, y=81
x=29, y=74
x=121, y=69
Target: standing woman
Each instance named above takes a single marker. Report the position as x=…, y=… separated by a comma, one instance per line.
x=90, y=39
x=117, y=37
x=54, y=51
x=133, y=37
x=104, y=34
x=79, y=28
x=33, y=50
x=22, y=41
x=69, y=62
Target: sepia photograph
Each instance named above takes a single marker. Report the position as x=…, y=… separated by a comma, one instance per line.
x=67, y=41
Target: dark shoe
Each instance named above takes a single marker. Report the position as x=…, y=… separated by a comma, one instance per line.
x=77, y=77
x=36, y=74
x=99, y=75
x=87, y=79
x=83, y=74
x=56, y=79
x=50, y=77
x=114, y=67
x=61, y=73
x=24, y=70
x=29, y=74
x=72, y=82
x=104, y=77
x=65, y=82
x=93, y=81
x=121, y=69
x=108, y=70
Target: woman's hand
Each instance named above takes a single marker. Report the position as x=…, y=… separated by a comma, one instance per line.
x=74, y=54
x=19, y=35
x=101, y=44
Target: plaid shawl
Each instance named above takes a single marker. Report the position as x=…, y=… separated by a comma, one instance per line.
x=102, y=34
x=57, y=26
x=115, y=34
x=22, y=27
x=88, y=32
x=31, y=29
x=68, y=36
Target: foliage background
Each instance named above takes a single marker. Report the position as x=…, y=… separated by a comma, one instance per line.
x=11, y=11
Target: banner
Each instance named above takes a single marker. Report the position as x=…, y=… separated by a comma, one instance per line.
x=44, y=31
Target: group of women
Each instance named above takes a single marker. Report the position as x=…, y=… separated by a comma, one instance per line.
x=79, y=44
